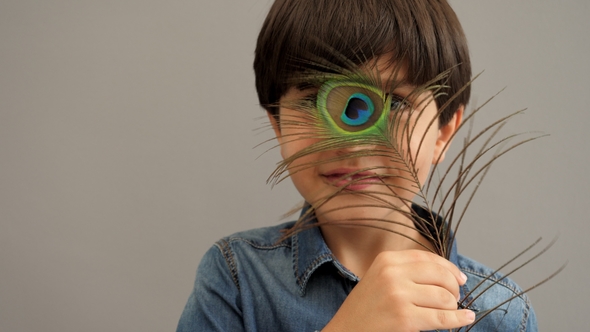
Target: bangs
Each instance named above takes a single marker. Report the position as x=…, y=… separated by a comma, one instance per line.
x=330, y=36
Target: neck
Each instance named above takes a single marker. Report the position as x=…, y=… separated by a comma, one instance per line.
x=357, y=246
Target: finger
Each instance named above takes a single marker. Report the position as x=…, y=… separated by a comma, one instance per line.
x=433, y=274
x=432, y=319
x=412, y=256
x=434, y=297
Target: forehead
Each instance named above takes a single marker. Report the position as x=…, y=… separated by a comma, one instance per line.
x=388, y=74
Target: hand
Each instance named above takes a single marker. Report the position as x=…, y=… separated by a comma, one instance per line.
x=409, y=290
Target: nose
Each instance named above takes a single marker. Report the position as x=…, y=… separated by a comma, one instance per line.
x=355, y=148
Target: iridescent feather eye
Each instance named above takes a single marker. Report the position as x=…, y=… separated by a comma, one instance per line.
x=351, y=107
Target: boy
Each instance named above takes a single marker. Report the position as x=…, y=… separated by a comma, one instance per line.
x=364, y=96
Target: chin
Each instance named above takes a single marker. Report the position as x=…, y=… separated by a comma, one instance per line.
x=355, y=208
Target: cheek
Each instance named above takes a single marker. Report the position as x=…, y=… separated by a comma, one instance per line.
x=419, y=148
x=296, y=137
x=293, y=145
x=423, y=131
x=302, y=170
x=416, y=138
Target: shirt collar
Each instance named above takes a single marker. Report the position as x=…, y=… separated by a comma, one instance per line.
x=310, y=251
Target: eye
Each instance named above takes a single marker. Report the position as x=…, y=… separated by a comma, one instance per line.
x=351, y=107
x=399, y=104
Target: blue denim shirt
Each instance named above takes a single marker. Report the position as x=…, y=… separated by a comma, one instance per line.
x=251, y=282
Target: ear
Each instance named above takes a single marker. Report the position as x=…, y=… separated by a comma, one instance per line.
x=445, y=136
x=273, y=119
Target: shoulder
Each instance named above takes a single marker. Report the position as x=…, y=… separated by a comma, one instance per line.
x=228, y=283
x=489, y=291
x=245, y=253
x=479, y=272
x=258, y=238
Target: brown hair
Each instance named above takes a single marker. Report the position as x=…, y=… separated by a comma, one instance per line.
x=425, y=35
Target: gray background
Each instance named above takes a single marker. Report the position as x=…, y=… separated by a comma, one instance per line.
x=126, y=150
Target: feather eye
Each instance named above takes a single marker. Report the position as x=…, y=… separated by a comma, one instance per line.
x=352, y=107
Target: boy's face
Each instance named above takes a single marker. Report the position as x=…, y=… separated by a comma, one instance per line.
x=386, y=179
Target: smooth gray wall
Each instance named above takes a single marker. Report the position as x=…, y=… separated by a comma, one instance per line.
x=126, y=150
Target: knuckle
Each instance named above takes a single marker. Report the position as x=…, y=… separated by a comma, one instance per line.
x=396, y=296
x=418, y=255
x=392, y=274
x=384, y=256
x=444, y=298
x=388, y=273
x=449, y=301
x=442, y=318
x=441, y=270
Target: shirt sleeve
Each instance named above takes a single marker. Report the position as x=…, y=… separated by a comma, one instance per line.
x=531, y=325
x=214, y=304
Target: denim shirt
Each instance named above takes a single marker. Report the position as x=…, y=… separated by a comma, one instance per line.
x=250, y=281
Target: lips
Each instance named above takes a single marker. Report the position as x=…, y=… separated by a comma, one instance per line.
x=351, y=179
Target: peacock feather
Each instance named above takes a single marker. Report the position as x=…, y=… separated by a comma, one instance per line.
x=358, y=110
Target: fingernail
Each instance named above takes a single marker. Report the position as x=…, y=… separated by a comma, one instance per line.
x=463, y=277
x=470, y=315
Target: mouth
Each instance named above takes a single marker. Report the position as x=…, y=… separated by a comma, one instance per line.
x=351, y=179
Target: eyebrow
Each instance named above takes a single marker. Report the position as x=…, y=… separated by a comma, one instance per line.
x=393, y=84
